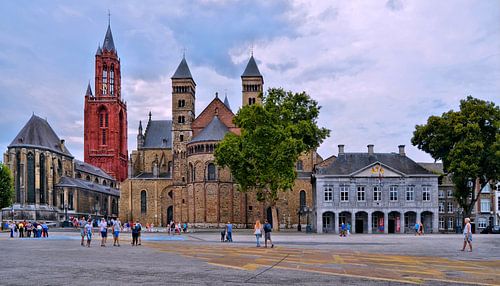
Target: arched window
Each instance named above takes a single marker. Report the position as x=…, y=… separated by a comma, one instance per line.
x=112, y=80
x=43, y=181
x=190, y=177
x=59, y=168
x=144, y=207
x=104, y=80
x=104, y=182
x=103, y=124
x=61, y=199
x=96, y=180
x=114, y=206
x=78, y=175
x=300, y=165
x=211, y=172
x=87, y=178
x=31, y=178
x=302, y=198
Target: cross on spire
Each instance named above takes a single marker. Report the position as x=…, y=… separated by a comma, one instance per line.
x=184, y=52
x=109, y=17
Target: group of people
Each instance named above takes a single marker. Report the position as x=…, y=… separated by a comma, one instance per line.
x=27, y=228
x=419, y=228
x=177, y=228
x=345, y=229
x=87, y=230
x=226, y=234
x=267, y=229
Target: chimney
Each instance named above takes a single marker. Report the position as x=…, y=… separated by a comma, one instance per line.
x=341, y=149
x=62, y=145
x=402, y=150
x=370, y=149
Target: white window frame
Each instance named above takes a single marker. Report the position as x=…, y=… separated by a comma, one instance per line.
x=450, y=223
x=410, y=190
x=377, y=194
x=426, y=193
x=441, y=194
x=328, y=194
x=441, y=207
x=449, y=207
x=344, y=193
x=485, y=205
x=361, y=194
x=441, y=223
x=450, y=193
x=393, y=193
x=482, y=222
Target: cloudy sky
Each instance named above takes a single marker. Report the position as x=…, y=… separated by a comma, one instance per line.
x=377, y=68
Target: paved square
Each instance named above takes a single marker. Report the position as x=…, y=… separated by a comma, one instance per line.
x=297, y=259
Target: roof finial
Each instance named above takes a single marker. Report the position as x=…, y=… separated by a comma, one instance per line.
x=150, y=115
x=184, y=52
x=109, y=18
x=251, y=49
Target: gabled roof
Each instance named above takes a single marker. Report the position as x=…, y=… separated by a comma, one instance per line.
x=156, y=132
x=39, y=134
x=108, y=43
x=251, y=70
x=214, y=131
x=182, y=71
x=350, y=163
x=83, y=184
x=226, y=103
x=91, y=169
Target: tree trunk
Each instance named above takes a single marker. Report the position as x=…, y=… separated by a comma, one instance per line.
x=274, y=212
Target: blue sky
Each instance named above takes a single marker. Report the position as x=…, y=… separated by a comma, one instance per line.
x=377, y=68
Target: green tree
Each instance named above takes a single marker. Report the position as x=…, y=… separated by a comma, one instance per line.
x=468, y=143
x=6, y=186
x=273, y=135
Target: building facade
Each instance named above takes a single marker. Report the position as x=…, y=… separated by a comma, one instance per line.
x=173, y=175
x=50, y=185
x=450, y=212
x=374, y=193
x=105, y=115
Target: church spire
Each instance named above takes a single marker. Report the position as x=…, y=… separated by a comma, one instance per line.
x=251, y=70
x=108, y=43
x=182, y=71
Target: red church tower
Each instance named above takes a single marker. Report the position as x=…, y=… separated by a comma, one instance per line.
x=105, y=123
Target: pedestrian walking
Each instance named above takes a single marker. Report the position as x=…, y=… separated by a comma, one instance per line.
x=267, y=233
x=135, y=233
x=38, y=230
x=104, y=232
x=348, y=229
x=417, y=228
x=139, y=231
x=117, y=227
x=81, y=224
x=223, y=234
x=467, y=235
x=29, y=229
x=421, y=229
x=21, y=229
x=257, y=231
x=88, y=232
x=229, y=231
x=12, y=227
x=343, y=229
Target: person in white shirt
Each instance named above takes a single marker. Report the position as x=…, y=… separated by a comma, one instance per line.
x=88, y=232
x=104, y=232
x=117, y=227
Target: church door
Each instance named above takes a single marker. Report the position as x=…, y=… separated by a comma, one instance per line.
x=170, y=214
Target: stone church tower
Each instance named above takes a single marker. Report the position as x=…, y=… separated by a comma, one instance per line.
x=252, y=83
x=105, y=122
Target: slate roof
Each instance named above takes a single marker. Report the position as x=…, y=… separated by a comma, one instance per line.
x=89, y=90
x=108, y=43
x=91, y=169
x=83, y=184
x=349, y=163
x=251, y=70
x=99, y=50
x=156, y=131
x=226, y=103
x=182, y=71
x=39, y=134
x=214, y=131
x=436, y=168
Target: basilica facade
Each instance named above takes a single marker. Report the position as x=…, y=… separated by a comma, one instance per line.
x=173, y=175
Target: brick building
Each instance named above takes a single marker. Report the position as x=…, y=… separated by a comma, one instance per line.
x=105, y=117
x=172, y=174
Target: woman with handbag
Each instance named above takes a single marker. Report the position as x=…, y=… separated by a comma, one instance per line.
x=258, y=232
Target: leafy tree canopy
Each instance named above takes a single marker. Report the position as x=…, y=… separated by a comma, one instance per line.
x=467, y=142
x=6, y=186
x=273, y=135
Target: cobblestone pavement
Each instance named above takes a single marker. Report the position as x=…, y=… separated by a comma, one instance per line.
x=297, y=259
